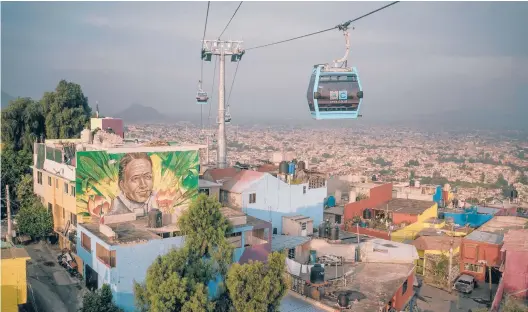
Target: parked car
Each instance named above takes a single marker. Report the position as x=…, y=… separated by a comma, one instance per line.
x=465, y=283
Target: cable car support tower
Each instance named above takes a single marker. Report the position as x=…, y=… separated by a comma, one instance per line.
x=222, y=48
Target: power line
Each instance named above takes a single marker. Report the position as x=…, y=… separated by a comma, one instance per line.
x=232, y=84
x=345, y=24
x=230, y=19
x=203, y=38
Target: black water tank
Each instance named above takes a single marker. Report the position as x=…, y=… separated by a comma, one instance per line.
x=367, y=214
x=283, y=167
x=301, y=165
x=322, y=230
x=343, y=300
x=374, y=178
x=334, y=233
x=317, y=274
x=154, y=218
x=441, y=215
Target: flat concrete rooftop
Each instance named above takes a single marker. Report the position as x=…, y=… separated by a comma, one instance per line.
x=373, y=284
x=408, y=206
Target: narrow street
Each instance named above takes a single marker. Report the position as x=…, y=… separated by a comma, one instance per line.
x=431, y=299
x=50, y=286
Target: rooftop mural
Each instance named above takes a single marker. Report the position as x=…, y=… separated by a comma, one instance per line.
x=110, y=184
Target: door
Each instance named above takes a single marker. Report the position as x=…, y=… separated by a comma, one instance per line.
x=91, y=278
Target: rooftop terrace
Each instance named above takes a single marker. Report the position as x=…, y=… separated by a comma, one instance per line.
x=408, y=206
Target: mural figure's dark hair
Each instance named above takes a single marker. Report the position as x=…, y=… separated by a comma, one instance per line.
x=127, y=159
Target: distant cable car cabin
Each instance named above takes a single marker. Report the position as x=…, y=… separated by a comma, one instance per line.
x=335, y=92
x=201, y=95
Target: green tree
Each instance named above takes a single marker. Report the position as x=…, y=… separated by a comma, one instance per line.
x=178, y=280
x=99, y=301
x=256, y=286
x=67, y=111
x=24, y=191
x=34, y=220
x=501, y=182
x=14, y=166
x=22, y=124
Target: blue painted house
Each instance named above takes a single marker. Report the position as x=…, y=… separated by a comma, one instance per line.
x=268, y=197
x=120, y=253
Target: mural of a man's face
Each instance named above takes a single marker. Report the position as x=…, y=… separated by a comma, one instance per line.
x=137, y=183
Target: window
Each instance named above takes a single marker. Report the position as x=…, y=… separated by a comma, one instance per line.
x=49, y=181
x=204, y=190
x=106, y=256
x=404, y=287
x=73, y=219
x=291, y=253
x=304, y=189
x=275, y=231
x=223, y=196
x=86, y=242
x=39, y=177
x=63, y=213
x=303, y=226
x=73, y=191
x=252, y=198
x=338, y=219
x=235, y=239
x=56, y=183
x=477, y=268
x=66, y=187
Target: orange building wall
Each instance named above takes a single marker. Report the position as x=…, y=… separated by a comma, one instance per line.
x=399, y=300
x=378, y=195
x=473, y=252
x=398, y=218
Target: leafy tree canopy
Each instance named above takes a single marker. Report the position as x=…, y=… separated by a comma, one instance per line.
x=99, y=301
x=257, y=286
x=178, y=280
x=34, y=220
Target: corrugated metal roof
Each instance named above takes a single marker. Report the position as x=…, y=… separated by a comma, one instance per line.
x=281, y=242
x=485, y=237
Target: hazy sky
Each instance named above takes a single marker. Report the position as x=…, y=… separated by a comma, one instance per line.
x=414, y=58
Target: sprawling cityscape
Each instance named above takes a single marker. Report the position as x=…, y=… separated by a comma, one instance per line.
x=401, y=184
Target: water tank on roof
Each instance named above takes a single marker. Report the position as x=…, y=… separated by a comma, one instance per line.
x=334, y=233
x=283, y=167
x=331, y=202
x=343, y=300
x=367, y=214
x=291, y=168
x=374, y=178
x=317, y=274
x=86, y=136
x=154, y=219
x=301, y=165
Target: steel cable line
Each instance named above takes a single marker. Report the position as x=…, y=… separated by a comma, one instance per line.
x=202, y=62
x=232, y=83
x=230, y=20
x=345, y=24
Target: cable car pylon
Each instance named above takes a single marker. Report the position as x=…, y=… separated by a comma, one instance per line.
x=222, y=48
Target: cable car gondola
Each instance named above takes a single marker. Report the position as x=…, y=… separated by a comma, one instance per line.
x=201, y=95
x=227, y=116
x=335, y=92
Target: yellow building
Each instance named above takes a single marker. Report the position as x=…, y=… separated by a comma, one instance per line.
x=14, y=283
x=422, y=214
x=54, y=184
x=434, y=245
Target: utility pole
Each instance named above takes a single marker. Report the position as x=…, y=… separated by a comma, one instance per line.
x=451, y=258
x=9, y=230
x=489, y=274
x=222, y=48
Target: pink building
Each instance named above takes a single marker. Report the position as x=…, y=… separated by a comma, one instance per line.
x=116, y=124
x=514, y=265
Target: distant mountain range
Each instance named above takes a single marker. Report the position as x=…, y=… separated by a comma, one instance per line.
x=137, y=113
x=6, y=98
